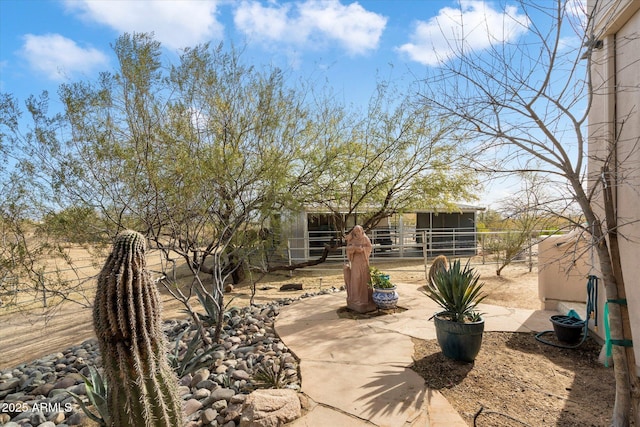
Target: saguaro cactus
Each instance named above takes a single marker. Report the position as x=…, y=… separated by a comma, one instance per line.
x=126, y=318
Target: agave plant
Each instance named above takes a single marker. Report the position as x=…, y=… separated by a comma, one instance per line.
x=96, y=387
x=194, y=357
x=458, y=292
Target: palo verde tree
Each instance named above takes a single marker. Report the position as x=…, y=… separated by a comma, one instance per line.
x=198, y=156
x=201, y=155
x=35, y=267
x=525, y=101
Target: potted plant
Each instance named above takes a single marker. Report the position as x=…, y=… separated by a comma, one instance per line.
x=459, y=326
x=384, y=292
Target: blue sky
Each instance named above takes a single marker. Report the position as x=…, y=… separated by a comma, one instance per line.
x=345, y=43
x=44, y=43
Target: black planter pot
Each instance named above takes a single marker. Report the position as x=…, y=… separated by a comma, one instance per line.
x=459, y=341
x=568, y=329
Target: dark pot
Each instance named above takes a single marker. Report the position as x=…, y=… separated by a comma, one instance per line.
x=567, y=328
x=459, y=341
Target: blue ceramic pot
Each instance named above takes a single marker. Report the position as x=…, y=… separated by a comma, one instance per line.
x=385, y=298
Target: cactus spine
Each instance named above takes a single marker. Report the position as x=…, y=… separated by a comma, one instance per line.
x=126, y=318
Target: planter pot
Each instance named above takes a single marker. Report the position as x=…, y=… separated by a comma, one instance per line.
x=568, y=329
x=385, y=298
x=459, y=341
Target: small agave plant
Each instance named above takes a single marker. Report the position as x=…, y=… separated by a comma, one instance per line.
x=457, y=291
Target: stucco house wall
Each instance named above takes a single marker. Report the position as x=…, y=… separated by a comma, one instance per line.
x=564, y=264
x=614, y=121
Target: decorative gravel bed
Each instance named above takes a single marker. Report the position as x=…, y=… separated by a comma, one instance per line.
x=36, y=394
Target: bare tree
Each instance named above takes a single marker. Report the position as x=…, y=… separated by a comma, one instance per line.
x=524, y=214
x=525, y=104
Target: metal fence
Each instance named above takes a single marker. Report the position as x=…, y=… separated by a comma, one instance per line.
x=411, y=243
x=388, y=245
x=16, y=292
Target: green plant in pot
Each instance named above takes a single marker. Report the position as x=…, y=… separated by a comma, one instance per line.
x=459, y=326
x=384, y=291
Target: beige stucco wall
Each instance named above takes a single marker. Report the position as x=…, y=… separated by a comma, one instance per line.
x=564, y=264
x=562, y=268
x=614, y=120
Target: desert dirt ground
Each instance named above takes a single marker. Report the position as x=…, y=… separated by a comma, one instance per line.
x=515, y=379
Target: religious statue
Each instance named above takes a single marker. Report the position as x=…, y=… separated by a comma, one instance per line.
x=356, y=271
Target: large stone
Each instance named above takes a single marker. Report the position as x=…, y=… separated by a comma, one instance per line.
x=10, y=384
x=208, y=416
x=191, y=406
x=68, y=381
x=270, y=408
x=201, y=375
x=239, y=374
x=222, y=393
x=78, y=418
x=56, y=417
x=201, y=393
x=42, y=390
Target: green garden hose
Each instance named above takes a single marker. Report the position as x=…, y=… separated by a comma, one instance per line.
x=592, y=313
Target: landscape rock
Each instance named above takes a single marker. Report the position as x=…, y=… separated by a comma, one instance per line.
x=201, y=393
x=222, y=393
x=10, y=384
x=201, y=375
x=191, y=406
x=239, y=374
x=212, y=400
x=79, y=418
x=56, y=417
x=42, y=389
x=270, y=408
x=208, y=416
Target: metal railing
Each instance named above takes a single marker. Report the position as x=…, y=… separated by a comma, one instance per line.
x=392, y=243
x=409, y=243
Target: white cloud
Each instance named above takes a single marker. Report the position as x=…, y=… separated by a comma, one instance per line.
x=313, y=23
x=473, y=26
x=577, y=8
x=175, y=23
x=269, y=22
x=59, y=57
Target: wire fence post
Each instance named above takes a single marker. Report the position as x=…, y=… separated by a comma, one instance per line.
x=289, y=256
x=530, y=244
x=424, y=253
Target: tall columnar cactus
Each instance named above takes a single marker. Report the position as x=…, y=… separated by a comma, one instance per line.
x=126, y=318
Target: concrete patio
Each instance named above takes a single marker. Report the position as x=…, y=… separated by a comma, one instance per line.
x=356, y=372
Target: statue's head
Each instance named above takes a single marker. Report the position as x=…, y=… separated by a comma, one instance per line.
x=357, y=231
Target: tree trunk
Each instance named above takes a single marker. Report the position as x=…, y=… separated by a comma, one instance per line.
x=622, y=405
x=616, y=264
